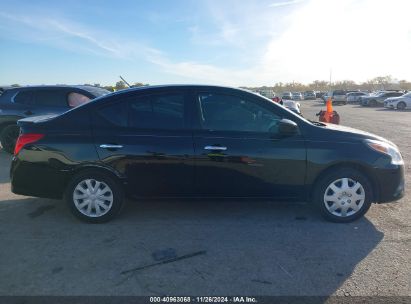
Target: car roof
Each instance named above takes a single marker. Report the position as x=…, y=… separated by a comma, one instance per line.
x=178, y=86
x=96, y=91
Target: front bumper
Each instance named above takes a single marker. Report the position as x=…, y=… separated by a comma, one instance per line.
x=390, y=184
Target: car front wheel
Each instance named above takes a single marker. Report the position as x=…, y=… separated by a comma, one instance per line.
x=94, y=197
x=401, y=106
x=343, y=196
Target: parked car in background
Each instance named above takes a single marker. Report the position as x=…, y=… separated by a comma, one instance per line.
x=200, y=141
x=319, y=94
x=378, y=99
x=292, y=105
x=353, y=97
x=400, y=103
x=287, y=95
x=309, y=95
x=297, y=96
x=324, y=97
x=338, y=96
x=266, y=92
x=21, y=102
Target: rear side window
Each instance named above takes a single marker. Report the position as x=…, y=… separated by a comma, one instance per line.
x=114, y=115
x=157, y=112
x=23, y=97
x=53, y=98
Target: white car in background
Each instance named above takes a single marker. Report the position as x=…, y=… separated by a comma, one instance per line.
x=400, y=103
x=292, y=105
x=297, y=96
x=353, y=97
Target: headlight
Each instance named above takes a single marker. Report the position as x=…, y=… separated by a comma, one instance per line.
x=386, y=148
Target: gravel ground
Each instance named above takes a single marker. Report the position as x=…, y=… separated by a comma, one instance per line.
x=218, y=247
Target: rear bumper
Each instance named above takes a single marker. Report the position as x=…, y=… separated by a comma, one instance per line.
x=37, y=180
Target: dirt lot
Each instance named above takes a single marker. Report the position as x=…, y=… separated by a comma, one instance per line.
x=232, y=248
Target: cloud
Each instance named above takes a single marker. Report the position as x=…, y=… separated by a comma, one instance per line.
x=358, y=39
x=66, y=34
x=284, y=3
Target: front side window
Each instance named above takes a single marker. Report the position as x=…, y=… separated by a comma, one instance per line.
x=219, y=112
x=157, y=112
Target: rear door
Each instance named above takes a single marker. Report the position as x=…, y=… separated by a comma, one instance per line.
x=239, y=152
x=147, y=139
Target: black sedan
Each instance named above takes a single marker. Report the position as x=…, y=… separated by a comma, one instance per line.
x=200, y=141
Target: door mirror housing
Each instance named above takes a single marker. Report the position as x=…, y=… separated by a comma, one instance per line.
x=288, y=128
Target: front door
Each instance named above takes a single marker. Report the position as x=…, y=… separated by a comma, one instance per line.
x=239, y=151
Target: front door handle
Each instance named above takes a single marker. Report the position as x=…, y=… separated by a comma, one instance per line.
x=215, y=148
x=110, y=146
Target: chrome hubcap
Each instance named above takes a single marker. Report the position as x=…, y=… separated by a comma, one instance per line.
x=344, y=197
x=93, y=198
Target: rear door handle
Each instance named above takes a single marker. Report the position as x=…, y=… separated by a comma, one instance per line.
x=215, y=148
x=110, y=146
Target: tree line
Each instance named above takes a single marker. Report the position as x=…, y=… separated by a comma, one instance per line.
x=377, y=83
x=374, y=84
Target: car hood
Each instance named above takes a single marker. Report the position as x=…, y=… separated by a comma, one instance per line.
x=353, y=133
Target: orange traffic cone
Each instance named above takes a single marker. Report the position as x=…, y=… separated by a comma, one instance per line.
x=329, y=105
x=329, y=112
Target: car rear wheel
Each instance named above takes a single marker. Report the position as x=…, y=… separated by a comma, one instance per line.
x=94, y=197
x=401, y=106
x=8, y=138
x=343, y=196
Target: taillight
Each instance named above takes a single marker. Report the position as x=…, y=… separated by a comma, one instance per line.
x=25, y=139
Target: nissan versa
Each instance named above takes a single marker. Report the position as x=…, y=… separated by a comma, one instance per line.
x=200, y=141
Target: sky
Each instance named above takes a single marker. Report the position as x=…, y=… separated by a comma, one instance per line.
x=224, y=42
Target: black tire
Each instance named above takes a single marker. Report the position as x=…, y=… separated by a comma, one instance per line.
x=8, y=137
x=372, y=103
x=335, y=175
x=105, y=179
x=401, y=106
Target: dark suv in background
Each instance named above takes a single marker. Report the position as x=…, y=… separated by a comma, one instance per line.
x=21, y=102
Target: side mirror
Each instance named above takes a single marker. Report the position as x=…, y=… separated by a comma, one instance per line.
x=287, y=128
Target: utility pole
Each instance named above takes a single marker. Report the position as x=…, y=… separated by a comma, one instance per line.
x=329, y=87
